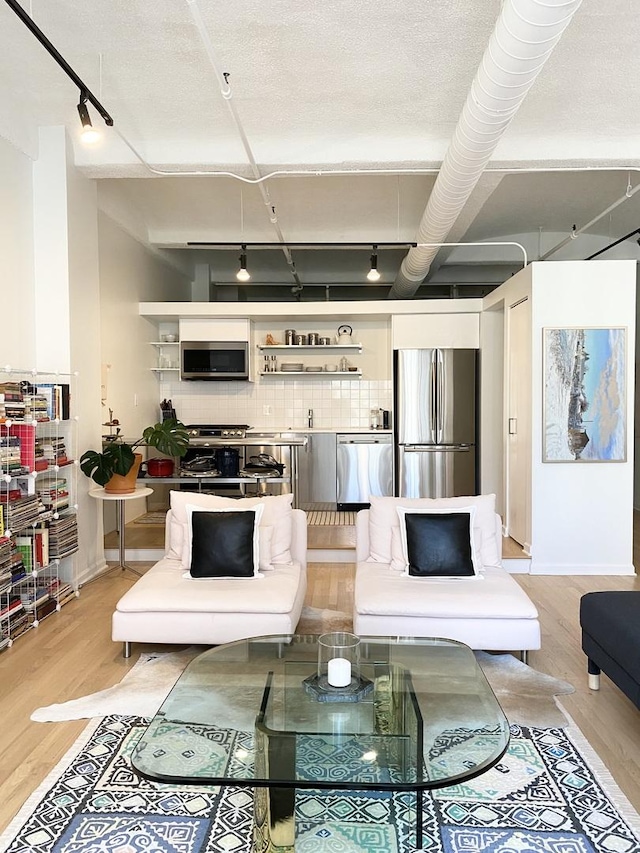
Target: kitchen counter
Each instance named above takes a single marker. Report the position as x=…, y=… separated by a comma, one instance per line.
x=304, y=430
x=290, y=438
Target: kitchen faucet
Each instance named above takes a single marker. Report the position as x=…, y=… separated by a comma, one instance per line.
x=310, y=419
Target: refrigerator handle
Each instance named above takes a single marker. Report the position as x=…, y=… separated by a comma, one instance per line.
x=433, y=405
x=439, y=397
x=436, y=448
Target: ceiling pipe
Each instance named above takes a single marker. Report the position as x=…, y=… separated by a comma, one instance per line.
x=225, y=91
x=575, y=232
x=524, y=37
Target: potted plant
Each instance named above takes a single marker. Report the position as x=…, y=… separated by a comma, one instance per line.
x=116, y=466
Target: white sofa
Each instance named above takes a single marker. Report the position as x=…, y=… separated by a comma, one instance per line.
x=490, y=612
x=166, y=606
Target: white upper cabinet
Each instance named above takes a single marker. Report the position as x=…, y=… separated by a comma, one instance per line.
x=451, y=331
x=227, y=329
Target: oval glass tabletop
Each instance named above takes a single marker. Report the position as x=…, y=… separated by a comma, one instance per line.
x=415, y=714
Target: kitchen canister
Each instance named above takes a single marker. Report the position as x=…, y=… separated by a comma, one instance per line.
x=300, y=340
x=324, y=341
x=313, y=339
x=289, y=337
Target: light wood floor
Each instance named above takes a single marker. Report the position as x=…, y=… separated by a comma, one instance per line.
x=71, y=654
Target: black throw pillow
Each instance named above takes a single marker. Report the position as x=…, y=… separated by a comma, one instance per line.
x=222, y=544
x=439, y=544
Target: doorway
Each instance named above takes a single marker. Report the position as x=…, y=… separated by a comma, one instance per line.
x=518, y=504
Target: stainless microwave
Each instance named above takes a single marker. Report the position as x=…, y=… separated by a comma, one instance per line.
x=207, y=360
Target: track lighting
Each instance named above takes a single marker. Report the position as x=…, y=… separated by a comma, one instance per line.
x=89, y=133
x=242, y=274
x=373, y=274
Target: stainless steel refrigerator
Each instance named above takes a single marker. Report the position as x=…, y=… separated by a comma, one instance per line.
x=435, y=397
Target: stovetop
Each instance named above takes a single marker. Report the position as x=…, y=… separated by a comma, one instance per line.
x=217, y=430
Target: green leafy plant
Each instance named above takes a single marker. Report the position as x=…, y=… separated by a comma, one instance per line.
x=169, y=437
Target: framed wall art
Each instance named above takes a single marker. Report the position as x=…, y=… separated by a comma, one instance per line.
x=584, y=403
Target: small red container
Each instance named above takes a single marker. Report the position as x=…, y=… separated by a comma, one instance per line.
x=160, y=467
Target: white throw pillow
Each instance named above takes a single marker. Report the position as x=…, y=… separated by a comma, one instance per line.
x=383, y=517
x=277, y=514
x=403, y=511
x=191, y=508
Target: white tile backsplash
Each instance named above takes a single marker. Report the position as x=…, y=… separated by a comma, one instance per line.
x=336, y=403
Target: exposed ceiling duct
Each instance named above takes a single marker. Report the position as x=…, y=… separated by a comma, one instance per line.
x=524, y=37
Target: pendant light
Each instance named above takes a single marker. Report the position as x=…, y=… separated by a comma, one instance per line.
x=243, y=274
x=373, y=274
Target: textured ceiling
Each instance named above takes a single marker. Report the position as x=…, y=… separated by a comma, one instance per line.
x=367, y=85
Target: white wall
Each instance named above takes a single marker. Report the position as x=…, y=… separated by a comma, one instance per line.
x=457, y=330
x=67, y=319
x=84, y=347
x=582, y=512
x=130, y=273
x=17, y=342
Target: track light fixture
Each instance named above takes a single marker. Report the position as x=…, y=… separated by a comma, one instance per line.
x=373, y=274
x=85, y=93
x=89, y=133
x=242, y=274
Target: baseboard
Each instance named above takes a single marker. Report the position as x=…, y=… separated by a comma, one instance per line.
x=517, y=565
x=91, y=572
x=132, y=555
x=538, y=568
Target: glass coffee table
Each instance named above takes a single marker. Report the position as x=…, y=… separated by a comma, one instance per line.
x=416, y=714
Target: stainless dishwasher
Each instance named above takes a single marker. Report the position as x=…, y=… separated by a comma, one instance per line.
x=364, y=467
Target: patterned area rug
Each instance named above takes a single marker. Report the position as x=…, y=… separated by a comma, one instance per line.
x=549, y=794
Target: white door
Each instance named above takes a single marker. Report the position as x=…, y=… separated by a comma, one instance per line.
x=519, y=424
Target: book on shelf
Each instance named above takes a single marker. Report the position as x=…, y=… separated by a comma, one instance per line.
x=58, y=398
x=10, y=391
x=19, y=624
x=41, y=542
x=32, y=598
x=36, y=407
x=8, y=609
x=22, y=512
x=63, y=536
x=45, y=609
x=26, y=548
x=26, y=435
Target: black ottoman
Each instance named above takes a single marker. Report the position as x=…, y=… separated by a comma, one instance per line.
x=610, y=623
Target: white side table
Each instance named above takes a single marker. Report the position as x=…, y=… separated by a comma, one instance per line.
x=101, y=495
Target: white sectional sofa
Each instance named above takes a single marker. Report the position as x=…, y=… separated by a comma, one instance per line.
x=167, y=606
x=489, y=611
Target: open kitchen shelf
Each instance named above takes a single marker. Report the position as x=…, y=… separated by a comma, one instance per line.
x=349, y=374
x=311, y=347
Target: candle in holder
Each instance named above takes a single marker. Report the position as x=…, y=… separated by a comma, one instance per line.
x=339, y=672
x=338, y=659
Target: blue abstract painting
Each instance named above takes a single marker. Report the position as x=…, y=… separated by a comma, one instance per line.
x=584, y=406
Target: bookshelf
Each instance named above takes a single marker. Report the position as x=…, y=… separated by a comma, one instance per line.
x=38, y=493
